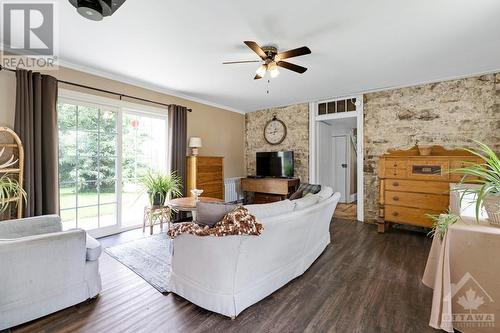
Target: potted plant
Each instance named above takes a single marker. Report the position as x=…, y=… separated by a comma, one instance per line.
x=9, y=190
x=160, y=185
x=487, y=176
x=441, y=224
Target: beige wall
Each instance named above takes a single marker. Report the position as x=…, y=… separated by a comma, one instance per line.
x=222, y=131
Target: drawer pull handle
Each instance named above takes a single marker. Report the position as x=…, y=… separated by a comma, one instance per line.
x=395, y=213
x=395, y=198
x=395, y=184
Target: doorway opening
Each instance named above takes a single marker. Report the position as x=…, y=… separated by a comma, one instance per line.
x=337, y=159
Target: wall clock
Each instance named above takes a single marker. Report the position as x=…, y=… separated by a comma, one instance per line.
x=275, y=131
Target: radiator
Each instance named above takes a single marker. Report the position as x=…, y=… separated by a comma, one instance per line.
x=232, y=190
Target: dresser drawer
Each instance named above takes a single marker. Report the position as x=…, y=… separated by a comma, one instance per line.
x=456, y=177
x=395, y=173
x=428, y=170
x=405, y=215
x=417, y=186
x=395, y=164
x=417, y=200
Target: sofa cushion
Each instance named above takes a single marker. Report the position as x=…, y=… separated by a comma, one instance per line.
x=325, y=193
x=296, y=195
x=209, y=213
x=306, y=201
x=262, y=211
x=93, y=247
x=309, y=188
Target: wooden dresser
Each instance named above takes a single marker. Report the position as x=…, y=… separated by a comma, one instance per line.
x=412, y=185
x=206, y=173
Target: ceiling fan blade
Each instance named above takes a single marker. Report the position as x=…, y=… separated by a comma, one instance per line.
x=239, y=62
x=292, y=67
x=256, y=48
x=257, y=77
x=294, y=53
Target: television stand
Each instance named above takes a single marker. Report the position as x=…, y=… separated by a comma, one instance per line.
x=266, y=190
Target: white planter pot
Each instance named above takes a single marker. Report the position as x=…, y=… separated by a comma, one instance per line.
x=492, y=206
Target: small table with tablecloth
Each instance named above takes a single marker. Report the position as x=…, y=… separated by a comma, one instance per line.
x=464, y=270
x=188, y=204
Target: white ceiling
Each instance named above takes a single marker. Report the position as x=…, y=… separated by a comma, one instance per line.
x=357, y=46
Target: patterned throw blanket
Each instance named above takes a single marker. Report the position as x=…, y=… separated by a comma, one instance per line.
x=237, y=222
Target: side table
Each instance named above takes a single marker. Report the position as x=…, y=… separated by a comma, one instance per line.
x=156, y=215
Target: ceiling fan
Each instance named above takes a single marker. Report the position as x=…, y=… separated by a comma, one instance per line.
x=273, y=59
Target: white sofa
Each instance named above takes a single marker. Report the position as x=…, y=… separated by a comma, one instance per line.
x=44, y=269
x=228, y=274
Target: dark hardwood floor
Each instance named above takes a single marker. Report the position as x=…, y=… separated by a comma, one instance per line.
x=363, y=282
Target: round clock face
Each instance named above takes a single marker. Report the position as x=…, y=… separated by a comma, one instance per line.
x=275, y=132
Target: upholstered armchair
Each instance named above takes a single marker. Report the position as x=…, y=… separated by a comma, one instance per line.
x=44, y=269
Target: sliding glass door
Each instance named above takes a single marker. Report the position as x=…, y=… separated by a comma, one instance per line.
x=104, y=151
x=143, y=147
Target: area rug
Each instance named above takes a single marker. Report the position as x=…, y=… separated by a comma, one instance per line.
x=148, y=257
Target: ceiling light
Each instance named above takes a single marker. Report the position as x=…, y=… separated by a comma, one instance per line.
x=89, y=9
x=274, y=72
x=261, y=71
x=96, y=10
x=273, y=69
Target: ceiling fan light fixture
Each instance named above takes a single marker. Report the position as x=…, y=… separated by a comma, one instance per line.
x=91, y=10
x=261, y=71
x=274, y=72
x=273, y=69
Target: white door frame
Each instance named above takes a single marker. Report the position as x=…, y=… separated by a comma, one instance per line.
x=313, y=140
x=335, y=164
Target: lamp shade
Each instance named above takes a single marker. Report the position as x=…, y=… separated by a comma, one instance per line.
x=194, y=142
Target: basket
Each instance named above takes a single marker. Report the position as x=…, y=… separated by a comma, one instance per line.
x=424, y=150
x=492, y=206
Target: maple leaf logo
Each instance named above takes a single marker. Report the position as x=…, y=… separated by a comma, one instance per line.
x=471, y=301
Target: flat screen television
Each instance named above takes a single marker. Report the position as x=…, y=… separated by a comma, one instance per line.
x=275, y=164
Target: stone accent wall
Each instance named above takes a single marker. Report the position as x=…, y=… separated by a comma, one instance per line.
x=296, y=119
x=447, y=113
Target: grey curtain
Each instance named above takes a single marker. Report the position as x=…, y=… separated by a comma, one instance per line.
x=36, y=125
x=177, y=119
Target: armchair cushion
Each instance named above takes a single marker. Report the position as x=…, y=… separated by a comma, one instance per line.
x=93, y=249
x=30, y=226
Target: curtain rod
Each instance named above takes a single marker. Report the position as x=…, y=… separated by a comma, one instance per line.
x=101, y=90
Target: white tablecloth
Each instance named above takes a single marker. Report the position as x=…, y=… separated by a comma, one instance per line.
x=464, y=271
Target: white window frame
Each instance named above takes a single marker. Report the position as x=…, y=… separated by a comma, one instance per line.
x=120, y=107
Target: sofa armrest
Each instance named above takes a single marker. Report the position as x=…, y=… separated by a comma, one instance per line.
x=36, y=266
x=93, y=248
x=30, y=226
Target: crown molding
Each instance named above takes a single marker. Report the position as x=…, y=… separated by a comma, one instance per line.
x=144, y=85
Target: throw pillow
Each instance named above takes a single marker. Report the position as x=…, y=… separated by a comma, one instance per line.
x=237, y=222
x=210, y=213
x=262, y=211
x=296, y=195
x=307, y=201
x=309, y=188
x=325, y=193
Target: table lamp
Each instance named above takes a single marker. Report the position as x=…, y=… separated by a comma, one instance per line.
x=194, y=144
